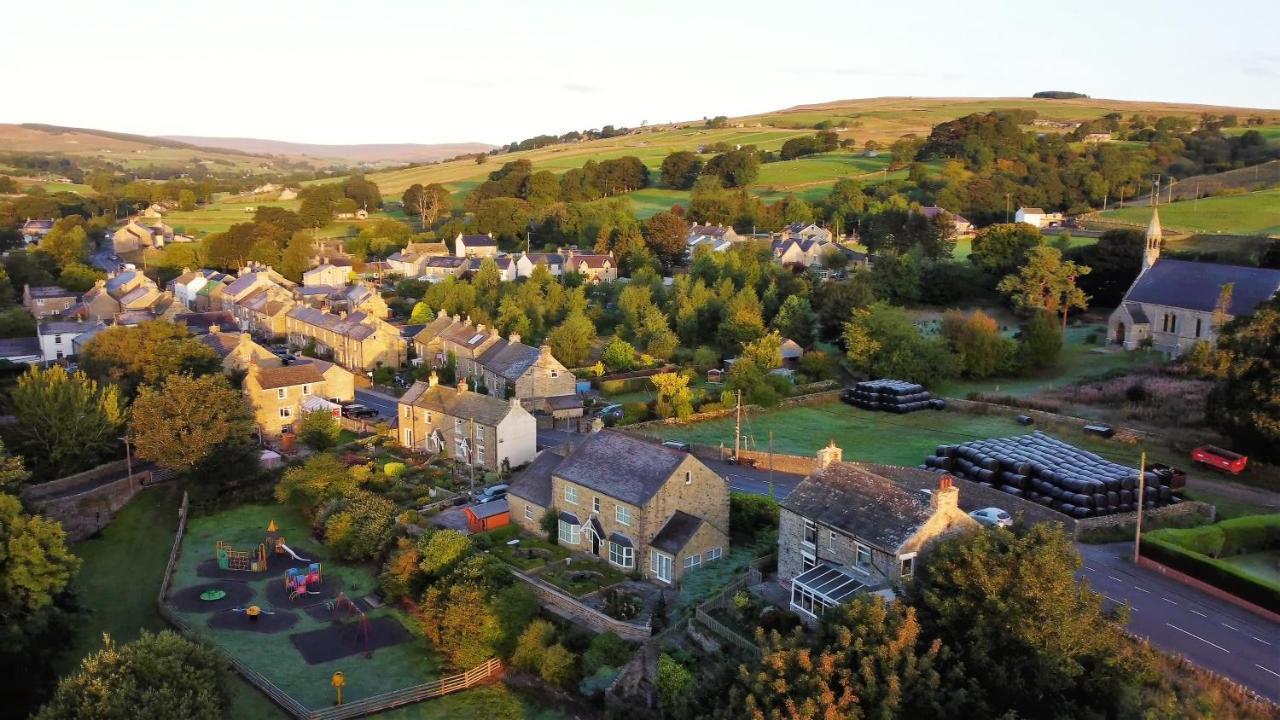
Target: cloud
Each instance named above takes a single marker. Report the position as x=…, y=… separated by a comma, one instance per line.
x=580, y=88
x=1265, y=65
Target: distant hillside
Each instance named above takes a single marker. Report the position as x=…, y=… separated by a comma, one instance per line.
x=373, y=153
x=123, y=148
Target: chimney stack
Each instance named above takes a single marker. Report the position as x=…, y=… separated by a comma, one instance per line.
x=433, y=380
x=947, y=496
x=215, y=328
x=462, y=385
x=513, y=338
x=830, y=455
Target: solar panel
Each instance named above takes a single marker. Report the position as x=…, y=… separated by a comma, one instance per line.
x=475, y=338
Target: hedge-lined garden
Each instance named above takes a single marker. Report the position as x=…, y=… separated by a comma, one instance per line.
x=1211, y=553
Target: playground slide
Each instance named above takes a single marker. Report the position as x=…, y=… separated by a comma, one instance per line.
x=293, y=554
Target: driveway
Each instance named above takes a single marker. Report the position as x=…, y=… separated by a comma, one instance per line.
x=383, y=403
x=1209, y=632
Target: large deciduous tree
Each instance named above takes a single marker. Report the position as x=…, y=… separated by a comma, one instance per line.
x=680, y=169
x=1047, y=282
x=160, y=675
x=146, y=354
x=1246, y=402
x=188, y=420
x=667, y=236
x=67, y=422
x=571, y=341
x=1001, y=249
x=428, y=202
x=882, y=341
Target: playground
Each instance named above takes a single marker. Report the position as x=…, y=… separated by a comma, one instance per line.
x=253, y=581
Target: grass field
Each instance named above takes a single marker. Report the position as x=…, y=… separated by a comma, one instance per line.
x=1255, y=213
x=273, y=655
x=652, y=201
x=1265, y=566
x=881, y=437
x=218, y=216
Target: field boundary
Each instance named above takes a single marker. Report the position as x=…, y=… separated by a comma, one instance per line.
x=1185, y=579
x=367, y=706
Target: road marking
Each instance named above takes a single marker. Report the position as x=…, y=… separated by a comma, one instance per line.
x=1168, y=600
x=1273, y=672
x=1264, y=642
x=1233, y=628
x=1086, y=567
x=1135, y=587
x=1113, y=577
x=1118, y=602
x=1207, y=642
x=1200, y=613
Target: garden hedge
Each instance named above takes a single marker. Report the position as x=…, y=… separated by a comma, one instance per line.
x=1258, y=533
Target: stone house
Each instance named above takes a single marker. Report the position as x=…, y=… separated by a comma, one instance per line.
x=238, y=350
x=717, y=237
x=631, y=501
x=597, y=268
x=808, y=231
x=45, y=300
x=186, y=287
x=1173, y=304
x=438, y=268
x=280, y=394
x=525, y=264
x=470, y=427
x=475, y=246
x=854, y=527
x=411, y=261
x=34, y=230
x=264, y=313
x=58, y=337
x=357, y=341
x=325, y=275
x=135, y=236
x=959, y=226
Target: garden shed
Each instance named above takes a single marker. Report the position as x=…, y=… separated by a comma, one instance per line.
x=487, y=516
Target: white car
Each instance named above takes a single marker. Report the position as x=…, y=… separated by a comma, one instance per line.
x=992, y=517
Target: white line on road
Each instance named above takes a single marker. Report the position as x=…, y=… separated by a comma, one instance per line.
x=1232, y=628
x=1197, y=612
x=1207, y=642
x=1119, y=602
x=1086, y=567
x=1135, y=587
x=1168, y=600
x=1113, y=577
x=1273, y=672
x=1264, y=642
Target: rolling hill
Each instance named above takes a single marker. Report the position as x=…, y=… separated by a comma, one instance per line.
x=360, y=153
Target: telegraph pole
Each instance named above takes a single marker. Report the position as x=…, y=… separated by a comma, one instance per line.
x=737, y=430
x=1142, y=476
x=770, y=463
x=471, y=451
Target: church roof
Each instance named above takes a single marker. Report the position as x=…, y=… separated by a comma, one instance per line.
x=1196, y=286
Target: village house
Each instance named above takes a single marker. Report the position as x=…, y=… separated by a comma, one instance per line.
x=596, y=268
x=630, y=501
x=200, y=323
x=186, y=286
x=250, y=279
x=475, y=246
x=506, y=266
x=362, y=298
x=58, y=337
x=410, y=261
x=553, y=262
x=436, y=269
x=716, y=237
x=959, y=226
x=264, y=312
x=135, y=236
x=357, y=341
x=465, y=425
x=1037, y=217
x=21, y=351
x=33, y=231
x=238, y=350
x=128, y=292
x=288, y=194
x=325, y=275
x=281, y=394
x=855, y=527
x=808, y=231
x=155, y=211
x=1173, y=304
x=45, y=300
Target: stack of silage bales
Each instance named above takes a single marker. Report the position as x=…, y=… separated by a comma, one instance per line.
x=1055, y=474
x=896, y=396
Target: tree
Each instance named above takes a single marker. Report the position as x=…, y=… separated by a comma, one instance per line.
x=532, y=645
x=66, y=422
x=507, y=218
x=429, y=203
x=976, y=340
x=736, y=168
x=836, y=301
x=17, y=322
x=78, y=277
x=360, y=526
x=1245, y=403
x=146, y=354
x=796, y=321
x=1046, y=282
x=674, y=397
x=1039, y=343
x=161, y=675
x=186, y=200
x=316, y=209
x=296, y=258
x=666, y=235
x=558, y=666
x=1116, y=259
x=67, y=242
x=188, y=420
x=882, y=341
x=742, y=321
x=320, y=478
x=571, y=342
x=36, y=569
x=1001, y=249
x=619, y=355
x=421, y=314
x=606, y=650
x=680, y=169
x=674, y=684
x=442, y=551
x=319, y=429
x=1029, y=634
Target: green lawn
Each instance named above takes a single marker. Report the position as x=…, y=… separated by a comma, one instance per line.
x=515, y=555
x=1264, y=566
x=219, y=216
x=1079, y=361
x=815, y=168
x=492, y=702
x=1255, y=213
x=273, y=655
x=651, y=201
x=582, y=576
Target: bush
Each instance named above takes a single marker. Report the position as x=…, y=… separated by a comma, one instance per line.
x=1205, y=540
x=360, y=527
x=319, y=430
x=532, y=646
x=751, y=517
x=622, y=605
x=598, y=681
x=394, y=469
x=1255, y=533
x=606, y=650
x=558, y=666
x=1205, y=569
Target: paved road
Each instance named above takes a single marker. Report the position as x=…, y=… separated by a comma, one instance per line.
x=1176, y=618
x=384, y=404
x=741, y=478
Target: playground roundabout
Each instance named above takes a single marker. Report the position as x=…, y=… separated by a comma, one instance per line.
x=241, y=619
x=189, y=599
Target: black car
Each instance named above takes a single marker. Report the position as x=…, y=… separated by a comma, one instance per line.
x=358, y=412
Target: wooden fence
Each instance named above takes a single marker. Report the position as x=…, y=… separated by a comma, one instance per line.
x=367, y=706
x=722, y=600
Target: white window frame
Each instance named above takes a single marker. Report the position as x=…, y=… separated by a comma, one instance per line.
x=692, y=561
x=714, y=554
x=859, y=550
x=555, y=373
x=282, y=393
x=831, y=540
x=627, y=555
x=570, y=534
x=306, y=389
x=571, y=494
x=807, y=562
x=688, y=477
x=622, y=514
x=810, y=530
x=528, y=511
x=908, y=559
x=595, y=504
x=286, y=412
x=659, y=562
x=408, y=411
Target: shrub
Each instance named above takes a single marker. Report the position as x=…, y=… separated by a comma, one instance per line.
x=532, y=645
x=1206, y=540
x=394, y=469
x=598, y=681
x=674, y=683
x=550, y=524
x=361, y=526
x=442, y=550
x=1254, y=533
x=619, y=355
x=751, y=517
x=320, y=430
x=622, y=605
x=606, y=650
x=558, y=666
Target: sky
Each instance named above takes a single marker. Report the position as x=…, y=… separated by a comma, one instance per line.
x=492, y=71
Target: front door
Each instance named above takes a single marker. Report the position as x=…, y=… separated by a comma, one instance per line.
x=1119, y=333
x=595, y=544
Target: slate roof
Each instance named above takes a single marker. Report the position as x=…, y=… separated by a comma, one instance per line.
x=709, y=230
x=621, y=466
x=50, y=291
x=1136, y=312
x=63, y=327
x=1032, y=211
x=351, y=326
x=289, y=375
x=863, y=500
x=222, y=343
x=469, y=405
x=478, y=241
x=446, y=261
x=678, y=531
x=534, y=482
x=1196, y=286
x=549, y=259
x=509, y=360
x=489, y=509
x=242, y=284
x=591, y=261
x=198, y=323
x=19, y=347
x=121, y=280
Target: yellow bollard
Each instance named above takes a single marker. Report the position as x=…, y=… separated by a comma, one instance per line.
x=337, y=681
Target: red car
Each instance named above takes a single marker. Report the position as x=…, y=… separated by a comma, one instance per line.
x=1216, y=457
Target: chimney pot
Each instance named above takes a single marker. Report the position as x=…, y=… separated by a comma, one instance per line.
x=433, y=380
x=462, y=385
x=830, y=455
x=513, y=338
x=947, y=496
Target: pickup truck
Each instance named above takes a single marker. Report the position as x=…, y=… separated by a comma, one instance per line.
x=1216, y=457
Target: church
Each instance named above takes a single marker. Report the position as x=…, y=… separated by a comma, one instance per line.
x=1171, y=305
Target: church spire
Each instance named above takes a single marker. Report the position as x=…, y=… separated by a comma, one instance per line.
x=1154, y=239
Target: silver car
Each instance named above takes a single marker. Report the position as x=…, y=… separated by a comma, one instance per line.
x=992, y=517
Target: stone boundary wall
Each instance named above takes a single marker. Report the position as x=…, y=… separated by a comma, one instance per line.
x=1189, y=507
x=568, y=607
x=85, y=479
x=86, y=502
x=1125, y=434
